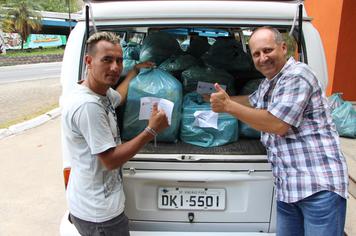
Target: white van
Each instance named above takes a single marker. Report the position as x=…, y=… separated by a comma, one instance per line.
x=237, y=175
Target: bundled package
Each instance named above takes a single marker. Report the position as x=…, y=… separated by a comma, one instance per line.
x=202, y=127
x=148, y=87
x=177, y=64
x=344, y=115
x=226, y=53
x=159, y=46
x=207, y=74
x=131, y=56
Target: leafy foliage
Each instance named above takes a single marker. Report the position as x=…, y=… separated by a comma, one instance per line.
x=21, y=17
x=51, y=5
x=60, y=5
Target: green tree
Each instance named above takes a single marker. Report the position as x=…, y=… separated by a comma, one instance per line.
x=60, y=5
x=21, y=17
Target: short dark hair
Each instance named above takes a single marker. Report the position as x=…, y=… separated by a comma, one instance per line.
x=278, y=38
x=99, y=36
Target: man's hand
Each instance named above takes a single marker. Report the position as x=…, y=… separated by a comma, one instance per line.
x=219, y=100
x=158, y=120
x=146, y=64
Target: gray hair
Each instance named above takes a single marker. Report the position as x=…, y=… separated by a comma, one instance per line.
x=99, y=36
x=278, y=38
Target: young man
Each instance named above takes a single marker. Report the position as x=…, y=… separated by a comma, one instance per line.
x=291, y=111
x=91, y=140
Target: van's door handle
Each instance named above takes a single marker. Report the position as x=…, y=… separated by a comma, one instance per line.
x=206, y=176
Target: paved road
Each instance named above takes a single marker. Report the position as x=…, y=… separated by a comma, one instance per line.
x=32, y=199
x=22, y=100
x=18, y=73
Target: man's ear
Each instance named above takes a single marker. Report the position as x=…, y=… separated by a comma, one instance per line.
x=284, y=48
x=88, y=60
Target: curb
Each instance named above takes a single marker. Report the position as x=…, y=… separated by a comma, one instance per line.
x=34, y=59
x=18, y=128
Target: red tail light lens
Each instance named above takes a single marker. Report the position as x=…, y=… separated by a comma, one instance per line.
x=66, y=173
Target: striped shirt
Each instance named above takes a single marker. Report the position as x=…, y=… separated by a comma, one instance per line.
x=307, y=159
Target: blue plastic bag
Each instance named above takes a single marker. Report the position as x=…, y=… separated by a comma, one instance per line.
x=226, y=132
x=209, y=74
x=344, y=117
x=159, y=46
x=226, y=53
x=246, y=130
x=335, y=100
x=128, y=64
x=178, y=63
x=152, y=83
x=131, y=51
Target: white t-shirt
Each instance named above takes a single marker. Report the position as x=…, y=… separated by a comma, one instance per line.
x=89, y=127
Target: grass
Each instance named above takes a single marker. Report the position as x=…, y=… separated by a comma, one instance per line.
x=39, y=112
x=33, y=52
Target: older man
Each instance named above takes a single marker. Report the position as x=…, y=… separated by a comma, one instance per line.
x=91, y=140
x=291, y=111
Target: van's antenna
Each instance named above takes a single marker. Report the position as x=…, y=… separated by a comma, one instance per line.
x=299, y=13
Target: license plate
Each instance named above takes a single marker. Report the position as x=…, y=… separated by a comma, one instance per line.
x=191, y=198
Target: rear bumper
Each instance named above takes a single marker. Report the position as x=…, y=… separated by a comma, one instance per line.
x=68, y=229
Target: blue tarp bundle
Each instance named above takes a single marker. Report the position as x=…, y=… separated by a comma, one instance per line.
x=344, y=116
x=127, y=65
x=198, y=46
x=226, y=132
x=250, y=87
x=226, y=53
x=131, y=51
x=152, y=83
x=159, y=46
x=178, y=63
x=194, y=74
x=131, y=55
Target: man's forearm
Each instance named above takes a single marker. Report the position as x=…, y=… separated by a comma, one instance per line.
x=258, y=119
x=118, y=156
x=242, y=100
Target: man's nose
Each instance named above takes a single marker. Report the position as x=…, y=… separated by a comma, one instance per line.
x=116, y=66
x=263, y=57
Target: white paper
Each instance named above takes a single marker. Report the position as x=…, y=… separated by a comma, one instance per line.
x=207, y=88
x=206, y=119
x=146, y=104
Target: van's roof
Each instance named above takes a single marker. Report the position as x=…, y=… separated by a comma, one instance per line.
x=196, y=10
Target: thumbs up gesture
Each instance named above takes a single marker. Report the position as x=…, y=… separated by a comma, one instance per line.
x=219, y=100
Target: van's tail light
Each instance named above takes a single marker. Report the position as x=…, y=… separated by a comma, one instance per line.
x=66, y=173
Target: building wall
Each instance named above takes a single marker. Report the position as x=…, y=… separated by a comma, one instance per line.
x=334, y=20
x=345, y=64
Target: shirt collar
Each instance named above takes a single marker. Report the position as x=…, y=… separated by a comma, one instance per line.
x=289, y=62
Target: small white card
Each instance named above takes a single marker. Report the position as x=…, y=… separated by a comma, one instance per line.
x=206, y=119
x=146, y=104
x=207, y=88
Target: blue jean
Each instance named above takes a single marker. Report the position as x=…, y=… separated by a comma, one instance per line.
x=321, y=214
x=118, y=226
